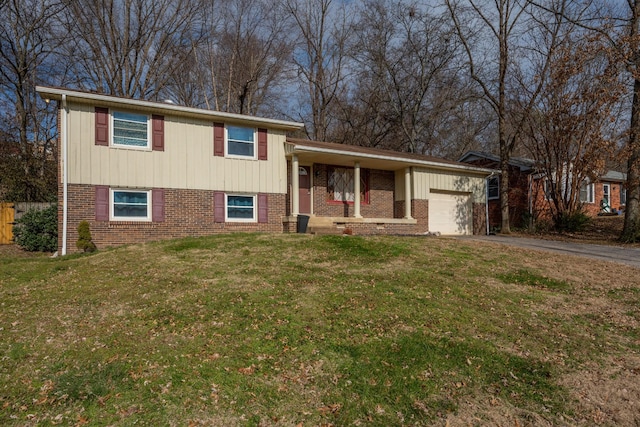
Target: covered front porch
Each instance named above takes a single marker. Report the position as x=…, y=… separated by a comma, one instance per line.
x=337, y=188
x=335, y=191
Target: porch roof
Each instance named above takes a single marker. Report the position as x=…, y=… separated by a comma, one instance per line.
x=371, y=158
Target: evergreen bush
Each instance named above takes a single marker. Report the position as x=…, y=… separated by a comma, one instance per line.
x=572, y=222
x=84, y=242
x=37, y=230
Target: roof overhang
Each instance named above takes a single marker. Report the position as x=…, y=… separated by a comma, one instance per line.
x=382, y=159
x=51, y=93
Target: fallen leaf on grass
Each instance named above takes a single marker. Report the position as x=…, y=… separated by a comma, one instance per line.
x=248, y=370
x=330, y=409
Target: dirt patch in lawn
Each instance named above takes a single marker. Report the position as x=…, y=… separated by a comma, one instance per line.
x=13, y=251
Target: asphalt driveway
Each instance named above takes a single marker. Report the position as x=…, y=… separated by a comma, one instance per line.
x=620, y=254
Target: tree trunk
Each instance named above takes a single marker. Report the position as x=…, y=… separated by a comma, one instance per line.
x=631, y=231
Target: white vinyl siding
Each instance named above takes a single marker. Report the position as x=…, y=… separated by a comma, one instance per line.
x=425, y=180
x=187, y=161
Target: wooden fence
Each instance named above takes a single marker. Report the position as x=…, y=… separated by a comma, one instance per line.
x=10, y=213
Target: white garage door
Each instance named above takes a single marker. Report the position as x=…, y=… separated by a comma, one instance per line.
x=450, y=213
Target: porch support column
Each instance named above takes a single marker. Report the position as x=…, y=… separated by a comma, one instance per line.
x=407, y=193
x=356, y=190
x=295, y=186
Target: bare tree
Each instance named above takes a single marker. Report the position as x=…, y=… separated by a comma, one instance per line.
x=491, y=33
x=407, y=80
x=27, y=148
x=619, y=23
x=571, y=137
x=323, y=27
x=130, y=47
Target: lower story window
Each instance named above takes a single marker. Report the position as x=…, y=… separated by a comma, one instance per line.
x=241, y=208
x=586, y=193
x=131, y=205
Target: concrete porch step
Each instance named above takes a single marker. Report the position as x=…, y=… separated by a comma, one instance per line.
x=323, y=230
x=318, y=221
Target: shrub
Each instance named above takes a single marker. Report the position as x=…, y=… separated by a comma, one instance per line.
x=572, y=222
x=37, y=230
x=84, y=242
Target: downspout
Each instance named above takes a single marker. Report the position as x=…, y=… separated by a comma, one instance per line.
x=486, y=200
x=65, y=143
x=530, y=197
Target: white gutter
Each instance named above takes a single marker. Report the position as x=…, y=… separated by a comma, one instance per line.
x=47, y=92
x=65, y=142
x=392, y=158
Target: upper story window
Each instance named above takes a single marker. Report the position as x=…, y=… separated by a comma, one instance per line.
x=493, y=188
x=130, y=129
x=241, y=141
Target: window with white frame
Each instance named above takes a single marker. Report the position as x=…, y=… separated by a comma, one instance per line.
x=130, y=205
x=241, y=141
x=548, y=188
x=493, y=189
x=586, y=193
x=130, y=130
x=623, y=196
x=241, y=208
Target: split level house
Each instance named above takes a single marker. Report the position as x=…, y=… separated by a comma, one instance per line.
x=140, y=171
x=527, y=191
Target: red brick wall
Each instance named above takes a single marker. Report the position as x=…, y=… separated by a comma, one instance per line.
x=479, y=218
x=543, y=210
x=187, y=213
x=381, y=195
x=593, y=209
x=518, y=196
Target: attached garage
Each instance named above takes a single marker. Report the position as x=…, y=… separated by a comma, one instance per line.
x=455, y=199
x=450, y=213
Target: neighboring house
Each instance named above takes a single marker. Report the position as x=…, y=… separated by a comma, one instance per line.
x=527, y=191
x=521, y=176
x=140, y=171
x=606, y=195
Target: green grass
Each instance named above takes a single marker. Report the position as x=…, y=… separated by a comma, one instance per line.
x=250, y=329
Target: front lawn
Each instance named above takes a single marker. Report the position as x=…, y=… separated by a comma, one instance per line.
x=262, y=330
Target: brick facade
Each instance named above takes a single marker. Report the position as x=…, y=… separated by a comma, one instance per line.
x=187, y=213
x=542, y=207
x=381, y=195
x=479, y=218
x=615, y=188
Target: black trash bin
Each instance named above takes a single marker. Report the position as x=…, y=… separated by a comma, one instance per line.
x=303, y=222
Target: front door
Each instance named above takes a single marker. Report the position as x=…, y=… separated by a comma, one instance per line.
x=305, y=189
x=606, y=198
